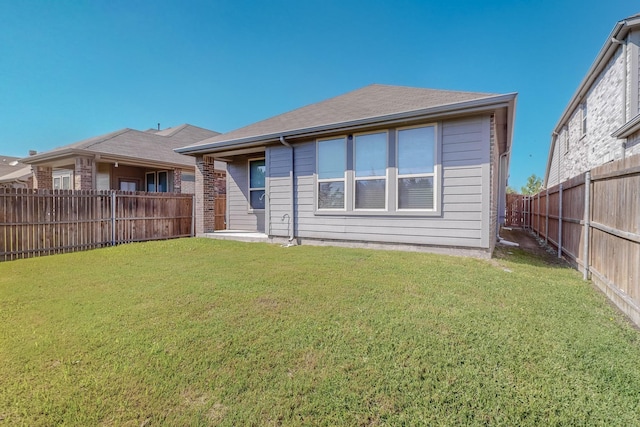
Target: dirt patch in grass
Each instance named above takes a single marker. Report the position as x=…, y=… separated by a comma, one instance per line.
x=528, y=243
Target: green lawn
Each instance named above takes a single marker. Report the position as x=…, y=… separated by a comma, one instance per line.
x=205, y=332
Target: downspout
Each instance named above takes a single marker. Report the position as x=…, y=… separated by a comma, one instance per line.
x=623, y=43
x=503, y=174
x=292, y=219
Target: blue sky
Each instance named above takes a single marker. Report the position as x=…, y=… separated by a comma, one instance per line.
x=70, y=70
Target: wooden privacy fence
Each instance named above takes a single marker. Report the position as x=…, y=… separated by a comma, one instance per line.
x=593, y=220
x=45, y=222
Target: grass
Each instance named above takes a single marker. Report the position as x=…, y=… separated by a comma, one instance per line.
x=204, y=332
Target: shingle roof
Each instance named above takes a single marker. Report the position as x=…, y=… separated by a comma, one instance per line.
x=131, y=143
x=11, y=169
x=368, y=102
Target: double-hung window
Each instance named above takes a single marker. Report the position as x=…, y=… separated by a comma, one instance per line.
x=370, y=154
x=257, y=171
x=332, y=162
x=416, y=168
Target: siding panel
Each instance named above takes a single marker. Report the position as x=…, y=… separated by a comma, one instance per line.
x=464, y=150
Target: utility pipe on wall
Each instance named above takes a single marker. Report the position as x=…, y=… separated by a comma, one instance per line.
x=291, y=182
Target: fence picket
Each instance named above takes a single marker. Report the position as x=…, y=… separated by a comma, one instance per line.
x=44, y=222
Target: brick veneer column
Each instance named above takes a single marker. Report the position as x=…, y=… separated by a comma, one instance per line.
x=42, y=177
x=177, y=181
x=205, y=195
x=83, y=175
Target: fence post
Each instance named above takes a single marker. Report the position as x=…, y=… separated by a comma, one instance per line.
x=113, y=218
x=546, y=217
x=193, y=215
x=538, y=212
x=560, y=223
x=587, y=223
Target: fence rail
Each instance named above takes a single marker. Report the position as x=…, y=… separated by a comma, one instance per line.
x=45, y=222
x=593, y=220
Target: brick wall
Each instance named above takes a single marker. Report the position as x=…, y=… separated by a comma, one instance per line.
x=177, y=181
x=606, y=113
x=83, y=174
x=205, y=194
x=42, y=177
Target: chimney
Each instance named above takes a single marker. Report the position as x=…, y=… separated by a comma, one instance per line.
x=32, y=152
x=158, y=126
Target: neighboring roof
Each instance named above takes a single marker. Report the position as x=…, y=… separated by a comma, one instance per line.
x=611, y=45
x=157, y=147
x=12, y=170
x=371, y=104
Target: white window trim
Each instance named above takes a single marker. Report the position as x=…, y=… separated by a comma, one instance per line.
x=365, y=178
x=435, y=174
x=250, y=189
x=343, y=179
x=584, y=117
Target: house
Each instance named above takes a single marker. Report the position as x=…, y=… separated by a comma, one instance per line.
x=601, y=123
x=127, y=159
x=14, y=174
x=380, y=166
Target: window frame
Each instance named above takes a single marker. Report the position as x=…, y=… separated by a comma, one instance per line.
x=435, y=174
x=250, y=189
x=156, y=175
x=371, y=178
x=343, y=179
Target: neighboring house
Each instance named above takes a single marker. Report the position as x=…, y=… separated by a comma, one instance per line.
x=127, y=159
x=379, y=165
x=14, y=174
x=602, y=121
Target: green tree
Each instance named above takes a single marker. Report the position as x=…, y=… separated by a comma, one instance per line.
x=511, y=190
x=533, y=186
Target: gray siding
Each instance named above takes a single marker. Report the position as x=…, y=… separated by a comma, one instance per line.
x=464, y=197
x=279, y=190
x=239, y=217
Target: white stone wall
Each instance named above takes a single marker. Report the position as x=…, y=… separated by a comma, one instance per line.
x=605, y=113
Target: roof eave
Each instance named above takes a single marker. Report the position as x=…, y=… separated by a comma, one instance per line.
x=40, y=159
x=606, y=52
x=628, y=129
x=476, y=105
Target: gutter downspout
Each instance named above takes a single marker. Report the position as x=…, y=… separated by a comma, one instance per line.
x=291, y=182
x=502, y=173
x=623, y=43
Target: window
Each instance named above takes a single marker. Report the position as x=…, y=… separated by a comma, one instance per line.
x=566, y=140
x=370, y=153
x=584, y=119
x=257, y=171
x=128, y=185
x=157, y=181
x=332, y=162
x=62, y=181
x=416, y=148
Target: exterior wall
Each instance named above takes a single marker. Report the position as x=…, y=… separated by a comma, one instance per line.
x=464, y=220
x=83, y=173
x=205, y=195
x=42, y=177
x=239, y=216
x=612, y=100
x=177, y=181
x=497, y=207
x=279, y=191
